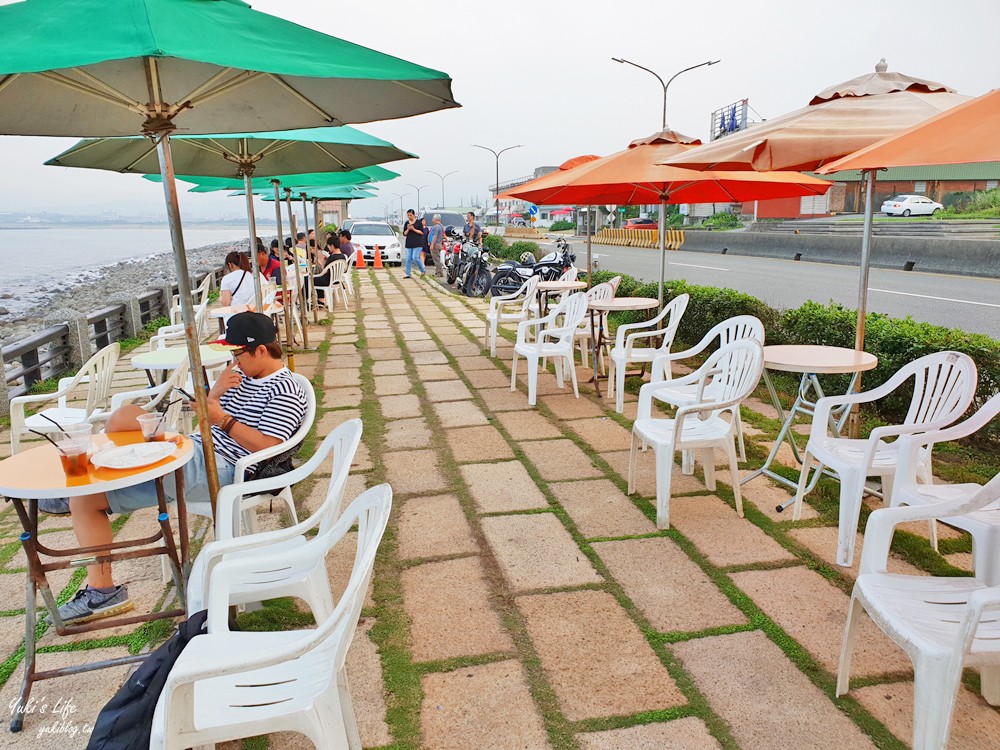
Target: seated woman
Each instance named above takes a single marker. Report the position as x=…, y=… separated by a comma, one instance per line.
x=333, y=253
x=255, y=404
x=236, y=287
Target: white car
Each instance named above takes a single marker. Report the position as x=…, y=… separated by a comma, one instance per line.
x=910, y=205
x=368, y=234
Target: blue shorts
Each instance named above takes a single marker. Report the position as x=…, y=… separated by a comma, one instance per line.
x=195, y=485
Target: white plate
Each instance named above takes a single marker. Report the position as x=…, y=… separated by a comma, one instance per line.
x=132, y=456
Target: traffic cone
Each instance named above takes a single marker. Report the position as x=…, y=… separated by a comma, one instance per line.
x=360, y=260
x=377, y=262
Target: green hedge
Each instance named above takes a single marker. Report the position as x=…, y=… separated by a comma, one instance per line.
x=494, y=244
x=562, y=226
x=895, y=341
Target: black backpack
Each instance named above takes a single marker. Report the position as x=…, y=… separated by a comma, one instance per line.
x=126, y=721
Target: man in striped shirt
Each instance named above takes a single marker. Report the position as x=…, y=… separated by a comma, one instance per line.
x=255, y=404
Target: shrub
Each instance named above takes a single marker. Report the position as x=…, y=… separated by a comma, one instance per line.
x=494, y=244
x=562, y=225
x=722, y=221
x=517, y=249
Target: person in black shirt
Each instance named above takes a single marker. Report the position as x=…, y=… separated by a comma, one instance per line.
x=414, y=233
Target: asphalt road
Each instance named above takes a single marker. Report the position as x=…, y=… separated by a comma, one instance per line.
x=969, y=303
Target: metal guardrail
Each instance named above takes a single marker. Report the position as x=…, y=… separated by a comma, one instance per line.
x=38, y=357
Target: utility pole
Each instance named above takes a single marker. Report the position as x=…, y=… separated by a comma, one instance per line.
x=497, y=155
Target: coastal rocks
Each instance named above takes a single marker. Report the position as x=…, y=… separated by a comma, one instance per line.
x=4, y=311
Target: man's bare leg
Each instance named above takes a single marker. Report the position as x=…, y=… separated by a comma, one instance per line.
x=92, y=528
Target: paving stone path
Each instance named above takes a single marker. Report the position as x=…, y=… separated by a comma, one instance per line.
x=521, y=599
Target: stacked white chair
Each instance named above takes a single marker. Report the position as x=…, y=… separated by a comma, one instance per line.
x=200, y=295
x=943, y=624
x=586, y=332
x=176, y=332
x=553, y=337
x=944, y=385
x=736, y=328
x=735, y=370
x=511, y=308
x=982, y=524
x=229, y=685
x=97, y=373
x=337, y=286
x=625, y=351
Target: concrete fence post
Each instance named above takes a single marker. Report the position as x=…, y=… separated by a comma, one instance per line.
x=79, y=335
x=132, y=318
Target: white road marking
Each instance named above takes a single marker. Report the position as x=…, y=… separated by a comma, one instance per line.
x=928, y=296
x=693, y=265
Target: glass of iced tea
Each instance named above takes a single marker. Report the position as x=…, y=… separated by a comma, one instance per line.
x=73, y=453
x=153, y=428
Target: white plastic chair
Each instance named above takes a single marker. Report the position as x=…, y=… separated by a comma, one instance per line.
x=248, y=504
x=293, y=298
x=944, y=385
x=151, y=399
x=524, y=304
x=584, y=335
x=97, y=373
x=553, y=338
x=982, y=524
x=200, y=295
x=570, y=274
x=309, y=584
x=736, y=328
x=943, y=624
x=735, y=369
x=228, y=685
x=625, y=351
x=175, y=332
x=336, y=285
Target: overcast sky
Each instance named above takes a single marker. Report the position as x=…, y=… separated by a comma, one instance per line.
x=541, y=75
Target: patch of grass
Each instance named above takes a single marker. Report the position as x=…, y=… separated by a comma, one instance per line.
x=276, y=614
x=49, y=385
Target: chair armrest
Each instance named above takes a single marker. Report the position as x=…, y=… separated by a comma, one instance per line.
x=150, y=393
x=648, y=392
x=262, y=455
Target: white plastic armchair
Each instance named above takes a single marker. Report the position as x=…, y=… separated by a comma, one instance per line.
x=311, y=585
x=625, y=350
x=227, y=685
x=983, y=524
x=732, y=329
x=585, y=333
x=511, y=308
x=97, y=373
x=335, y=286
x=735, y=369
x=155, y=397
x=248, y=504
x=200, y=295
x=553, y=338
x=943, y=624
x=176, y=332
x=944, y=385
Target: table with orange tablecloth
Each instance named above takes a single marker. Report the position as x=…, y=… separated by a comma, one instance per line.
x=36, y=474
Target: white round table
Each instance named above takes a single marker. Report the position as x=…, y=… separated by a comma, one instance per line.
x=170, y=358
x=547, y=288
x=615, y=304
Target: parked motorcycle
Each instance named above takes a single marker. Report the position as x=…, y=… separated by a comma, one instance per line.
x=467, y=265
x=510, y=275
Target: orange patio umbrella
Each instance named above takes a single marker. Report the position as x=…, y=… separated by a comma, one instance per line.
x=635, y=176
x=964, y=134
x=838, y=121
x=576, y=161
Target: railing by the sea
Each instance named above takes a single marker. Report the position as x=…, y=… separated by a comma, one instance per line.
x=64, y=347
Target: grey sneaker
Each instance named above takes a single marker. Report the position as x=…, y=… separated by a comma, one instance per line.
x=56, y=506
x=90, y=604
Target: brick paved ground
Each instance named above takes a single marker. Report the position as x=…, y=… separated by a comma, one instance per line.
x=521, y=599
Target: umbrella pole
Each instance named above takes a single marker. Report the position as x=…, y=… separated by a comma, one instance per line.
x=854, y=421
x=252, y=225
x=298, y=271
x=663, y=247
x=284, y=279
x=590, y=210
x=309, y=260
x=187, y=314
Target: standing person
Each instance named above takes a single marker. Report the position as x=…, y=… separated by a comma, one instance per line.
x=414, y=232
x=435, y=239
x=255, y=404
x=471, y=228
x=236, y=287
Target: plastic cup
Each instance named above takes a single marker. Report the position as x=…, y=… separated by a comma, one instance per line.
x=73, y=453
x=79, y=431
x=153, y=427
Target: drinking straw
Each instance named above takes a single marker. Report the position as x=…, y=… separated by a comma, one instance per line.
x=50, y=419
x=49, y=439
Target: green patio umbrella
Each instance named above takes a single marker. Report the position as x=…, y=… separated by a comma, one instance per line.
x=100, y=68
x=239, y=155
x=354, y=177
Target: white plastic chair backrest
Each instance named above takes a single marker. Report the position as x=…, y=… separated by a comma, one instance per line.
x=337, y=270
x=672, y=312
x=615, y=281
x=327, y=644
x=100, y=372
x=600, y=292
x=739, y=366
x=294, y=440
x=737, y=328
x=172, y=416
x=343, y=442
x=204, y=289
x=570, y=274
x=528, y=289
x=572, y=308
x=944, y=386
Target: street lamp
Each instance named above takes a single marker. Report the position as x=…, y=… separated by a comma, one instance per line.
x=667, y=84
x=441, y=177
x=418, y=189
x=497, y=155
x=401, y=212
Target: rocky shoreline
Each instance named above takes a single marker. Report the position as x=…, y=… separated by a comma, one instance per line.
x=90, y=290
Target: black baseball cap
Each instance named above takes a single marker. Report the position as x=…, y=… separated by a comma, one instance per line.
x=247, y=330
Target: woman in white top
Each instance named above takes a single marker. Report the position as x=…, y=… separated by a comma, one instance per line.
x=236, y=287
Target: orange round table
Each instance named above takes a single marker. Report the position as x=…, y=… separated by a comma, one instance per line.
x=37, y=473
